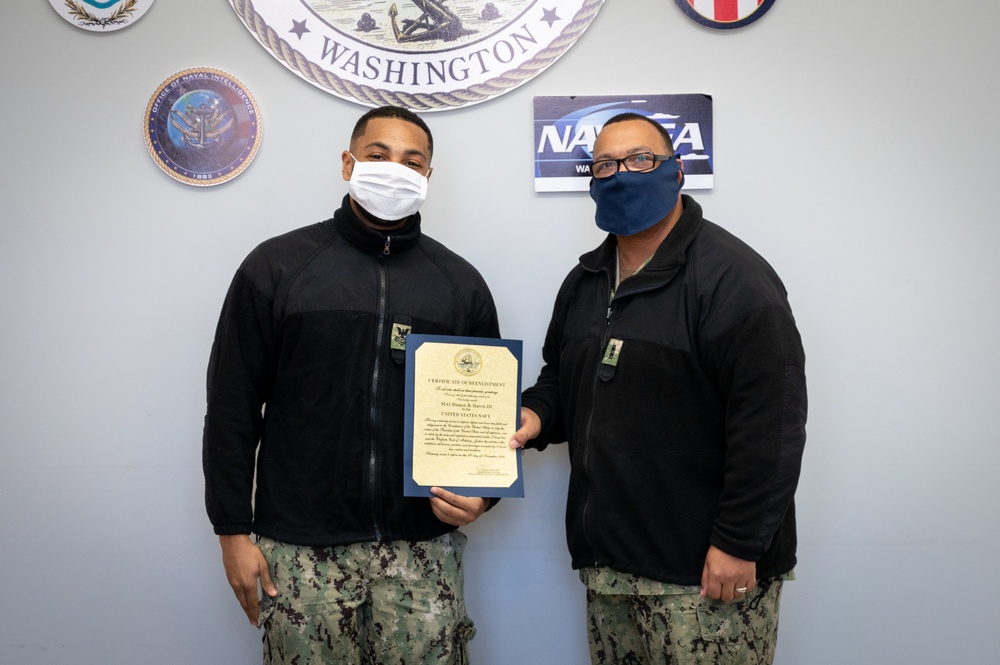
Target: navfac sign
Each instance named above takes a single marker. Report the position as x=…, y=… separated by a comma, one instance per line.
x=566, y=127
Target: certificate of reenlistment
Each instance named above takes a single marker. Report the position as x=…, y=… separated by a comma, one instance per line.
x=463, y=403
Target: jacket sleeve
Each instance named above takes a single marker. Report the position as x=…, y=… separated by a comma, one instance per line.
x=760, y=368
x=240, y=378
x=544, y=397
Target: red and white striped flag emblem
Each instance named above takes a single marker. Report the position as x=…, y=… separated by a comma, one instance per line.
x=725, y=11
x=724, y=14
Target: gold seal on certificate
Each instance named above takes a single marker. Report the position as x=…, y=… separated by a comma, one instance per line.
x=463, y=399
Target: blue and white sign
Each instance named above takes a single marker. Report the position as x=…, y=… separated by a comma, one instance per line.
x=566, y=128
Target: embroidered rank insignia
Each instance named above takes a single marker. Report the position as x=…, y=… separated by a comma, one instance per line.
x=399, y=333
x=613, y=352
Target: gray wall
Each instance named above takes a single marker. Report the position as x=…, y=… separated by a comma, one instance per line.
x=856, y=150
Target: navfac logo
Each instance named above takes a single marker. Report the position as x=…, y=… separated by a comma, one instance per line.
x=566, y=128
x=724, y=14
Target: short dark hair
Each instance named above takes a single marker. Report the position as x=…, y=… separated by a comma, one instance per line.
x=624, y=117
x=397, y=112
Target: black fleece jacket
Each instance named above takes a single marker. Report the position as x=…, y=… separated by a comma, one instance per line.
x=305, y=334
x=693, y=433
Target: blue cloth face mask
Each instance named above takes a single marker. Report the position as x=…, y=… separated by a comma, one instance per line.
x=629, y=202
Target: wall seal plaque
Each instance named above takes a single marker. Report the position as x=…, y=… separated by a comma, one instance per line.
x=724, y=14
x=202, y=126
x=426, y=55
x=101, y=15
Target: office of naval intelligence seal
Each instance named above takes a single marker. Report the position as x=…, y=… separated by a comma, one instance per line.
x=426, y=55
x=724, y=14
x=202, y=126
x=101, y=15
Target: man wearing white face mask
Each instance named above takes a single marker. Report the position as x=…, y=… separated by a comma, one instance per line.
x=305, y=397
x=384, y=193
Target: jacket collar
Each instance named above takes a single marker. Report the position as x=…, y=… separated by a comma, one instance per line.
x=348, y=224
x=671, y=253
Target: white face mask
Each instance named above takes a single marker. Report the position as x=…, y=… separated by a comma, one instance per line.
x=387, y=190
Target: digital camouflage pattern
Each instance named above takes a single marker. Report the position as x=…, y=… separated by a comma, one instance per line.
x=366, y=603
x=636, y=621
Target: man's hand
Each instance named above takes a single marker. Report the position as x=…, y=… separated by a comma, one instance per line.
x=457, y=510
x=725, y=577
x=245, y=565
x=531, y=426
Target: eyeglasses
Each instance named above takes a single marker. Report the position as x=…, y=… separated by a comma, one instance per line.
x=637, y=163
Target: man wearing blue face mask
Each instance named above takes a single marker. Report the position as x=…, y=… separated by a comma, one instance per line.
x=305, y=399
x=674, y=369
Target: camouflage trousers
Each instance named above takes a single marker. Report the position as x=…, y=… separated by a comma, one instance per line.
x=630, y=626
x=368, y=603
